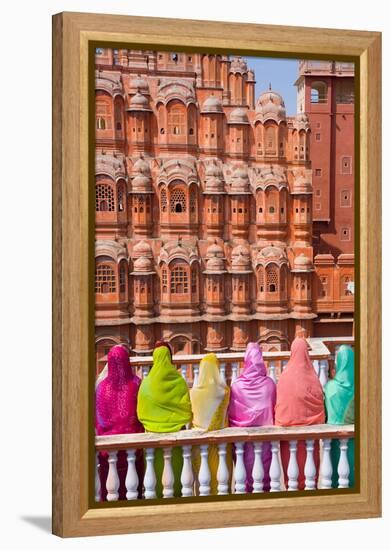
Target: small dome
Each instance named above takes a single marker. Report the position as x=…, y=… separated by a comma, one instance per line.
x=214, y=181
x=240, y=181
x=141, y=166
x=302, y=262
x=241, y=262
x=270, y=105
x=215, y=264
x=238, y=116
x=212, y=105
x=272, y=252
x=215, y=250
x=142, y=248
x=143, y=264
x=139, y=103
x=141, y=177
x=238, y=65
x=138, y=84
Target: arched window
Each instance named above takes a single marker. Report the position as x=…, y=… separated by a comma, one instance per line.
x=121, y=198
x=164, y=280
x=194, y=280
x=163, y=200
x=319, y=92
x=179, y=280
x=271, y=279
x=101, y=123
x=261, y=279
x=104, y=279
x=103, y=112
x=104, y=198
x=122, y=278
x=118, y=115
x=176, y=119
x=178, y=201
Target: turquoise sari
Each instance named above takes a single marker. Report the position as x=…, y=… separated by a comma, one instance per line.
x=339, y=402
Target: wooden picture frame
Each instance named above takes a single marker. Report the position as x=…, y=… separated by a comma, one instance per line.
x=73, y=34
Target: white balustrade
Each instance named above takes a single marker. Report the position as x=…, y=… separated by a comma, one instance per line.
x=258, y=472
x=309, y=467
x=234, y=371
x=222, y=372
x=222, y=470
x=97, y=479
x=323, y=372
x=293, y=467
x=275, y=468
x=145, y=371
x=240, y=470
x=204, y=476
x=272, y=371
x=131, y=481
x=149, y=476
x=196, y=371
x=326, y=467
x=343, y=465
x=168, y=474
x=187, y=477
x=184, y=372
x=112, y=482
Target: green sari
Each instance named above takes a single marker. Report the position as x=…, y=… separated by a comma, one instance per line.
x=163, y=406
x=339, y=402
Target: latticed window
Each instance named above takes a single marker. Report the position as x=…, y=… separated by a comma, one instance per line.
x=163, y=200
x=104, y=198
x=178, y=201
x=194, y=281
x=164, y=280
x=122, y=278
x=121, y=206
x=176, y=121
x=139, y=204
x=193, y=201
x=261, y=280
x=272, y=279
x=104, y=279
x=179, y=280
x=102, y=116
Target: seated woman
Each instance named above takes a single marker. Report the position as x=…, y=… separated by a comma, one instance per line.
x=339, y=401
x=252, y=402
x=164, y=406
x=299, y=403
x=116, y=399
x=209, y=400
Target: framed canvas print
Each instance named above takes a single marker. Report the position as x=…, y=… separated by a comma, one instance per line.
x=216, y=201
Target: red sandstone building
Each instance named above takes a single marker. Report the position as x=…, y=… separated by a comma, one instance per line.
x=205, y=210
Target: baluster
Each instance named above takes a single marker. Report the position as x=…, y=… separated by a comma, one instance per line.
x=145, y=371
x=222, y=372
x=204, y=476
x=112, y=482
x=97, y=479
x=240, y=470
x=234, y=372
x=184, y=372
x=272, y=371
x=149, y=476
x=316, y=366
x=343, y=465
x=275, y=469
x=222, y=471
x=293, y=467
x=323, y=372
x=168, y=474
x=326, y=468
x=131, y=481
x=309, y=468
x=187, y=478
x=258, y=471
x=196, y=371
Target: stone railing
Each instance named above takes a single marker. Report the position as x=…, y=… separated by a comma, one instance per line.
x=199, y=484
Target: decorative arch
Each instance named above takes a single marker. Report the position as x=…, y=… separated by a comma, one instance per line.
x=104, y=196
x=176, y=118
x=103, y=111
x=271, y=138
x=105, y=276
x=319, y=92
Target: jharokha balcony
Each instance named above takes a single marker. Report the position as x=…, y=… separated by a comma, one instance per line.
x=229, y=441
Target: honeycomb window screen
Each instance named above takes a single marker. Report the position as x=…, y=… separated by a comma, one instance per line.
x=179, y=280
x=261, y=279
x=163, y=200
x=178, y=201
x=176, y=121
x=104, y=198
x=121, y=202
x=193, y=201
x=104, y=279
x=271, y=279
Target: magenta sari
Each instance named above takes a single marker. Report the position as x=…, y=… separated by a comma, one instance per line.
x=252, y=402
x=115, y=405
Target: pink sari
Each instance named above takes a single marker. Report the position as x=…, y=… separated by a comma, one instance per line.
x=299, y=403
x=115, y=406
x=253, y=397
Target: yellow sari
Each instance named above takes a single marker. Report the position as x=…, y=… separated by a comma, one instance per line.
x=209, y=400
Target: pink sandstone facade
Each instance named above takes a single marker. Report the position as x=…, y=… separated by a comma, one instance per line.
x=204, y=210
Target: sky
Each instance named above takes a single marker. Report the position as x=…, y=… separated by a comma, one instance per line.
x=280, y=73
